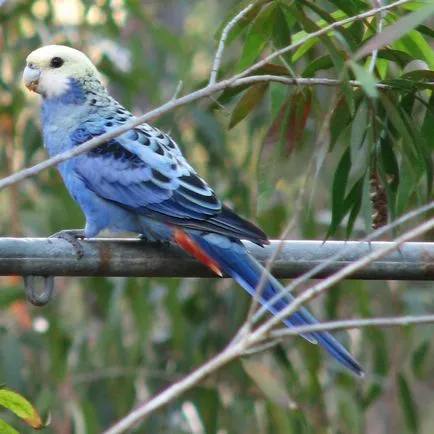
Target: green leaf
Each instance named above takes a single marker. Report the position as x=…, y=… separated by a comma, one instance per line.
x=380, y=355
x=258, y=35
x=366, y=78
x=354, y=201
x=400, y=125
x=329, y=19
x=320, y=63
x=425, y=30
x=408, y=405
x=428, y=123
x=399, y=57
x=19, y=405
x=340, y=182
x=281, y=34
x=400, y=84
x=339, y=121
x=350, y=7
x=416, y=46
x=389, y=169
x=395, y=31
x=423, y=150
x=420, y=75
x=374, y=391
x=247, y=102
x=5, y=428
x=419, y=358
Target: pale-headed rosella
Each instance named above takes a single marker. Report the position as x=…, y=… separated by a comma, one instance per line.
x=140, y=181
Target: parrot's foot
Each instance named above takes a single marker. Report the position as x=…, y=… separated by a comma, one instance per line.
x=72, y=236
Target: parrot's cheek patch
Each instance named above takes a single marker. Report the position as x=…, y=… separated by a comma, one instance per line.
x=190, y=246
x=53, y=86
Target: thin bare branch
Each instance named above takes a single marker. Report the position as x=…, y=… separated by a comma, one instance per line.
x=377, y=4
x=357, y=323
x=301, y=81
x=225, y=33
x=178, y=388
x=325, y=284
x=177, y=91
x=244, y=341
x=320, y=267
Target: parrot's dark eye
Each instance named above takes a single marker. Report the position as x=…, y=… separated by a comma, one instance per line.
x=56, y=62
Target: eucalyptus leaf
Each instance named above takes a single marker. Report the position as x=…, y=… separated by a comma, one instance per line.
x=395, y=31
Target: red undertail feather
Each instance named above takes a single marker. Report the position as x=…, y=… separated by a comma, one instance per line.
x=190, y=246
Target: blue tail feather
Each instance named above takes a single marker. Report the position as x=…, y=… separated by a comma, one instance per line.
x=234, y=260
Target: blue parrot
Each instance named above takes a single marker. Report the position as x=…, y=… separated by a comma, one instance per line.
x=140, y=182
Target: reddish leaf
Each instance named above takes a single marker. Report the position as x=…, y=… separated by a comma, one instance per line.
x=290, y=121
x=271, y=68
x=247, y=102
x=297, y=119
x=273, y=133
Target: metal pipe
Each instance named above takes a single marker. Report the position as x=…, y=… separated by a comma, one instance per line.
x=133, y=257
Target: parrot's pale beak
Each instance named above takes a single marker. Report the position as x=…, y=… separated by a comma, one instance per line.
x=31, y=76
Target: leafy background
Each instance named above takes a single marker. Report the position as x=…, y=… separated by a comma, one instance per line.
x=103, y=344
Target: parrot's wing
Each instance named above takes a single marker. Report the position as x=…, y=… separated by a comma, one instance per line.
x=143, y=170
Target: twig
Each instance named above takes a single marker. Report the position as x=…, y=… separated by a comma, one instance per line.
x=176, y=389
x=270, y=343
x=376, y=3
x=323, y=265
x=238, y=346
x=325, y=284
x=353, y=324
x=204, y=92
x=177, y=91
x=301, y=81
x=225, y=33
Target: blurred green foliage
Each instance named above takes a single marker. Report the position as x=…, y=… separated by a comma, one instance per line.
x=104, y=344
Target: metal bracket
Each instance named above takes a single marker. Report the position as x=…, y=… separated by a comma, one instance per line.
x=39, y=298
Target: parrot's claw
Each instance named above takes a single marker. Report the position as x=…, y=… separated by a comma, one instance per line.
x=72, y=236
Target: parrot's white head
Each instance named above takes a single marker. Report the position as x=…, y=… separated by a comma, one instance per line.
x=49, y=69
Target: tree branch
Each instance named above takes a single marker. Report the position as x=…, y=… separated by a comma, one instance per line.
x=246, y=340
x=187, y=99
x=225, y=33
x=243, y=341
x=325, y=284
x=357, y=323
x=318, y=269
x=376, y=3
x=178, y=388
